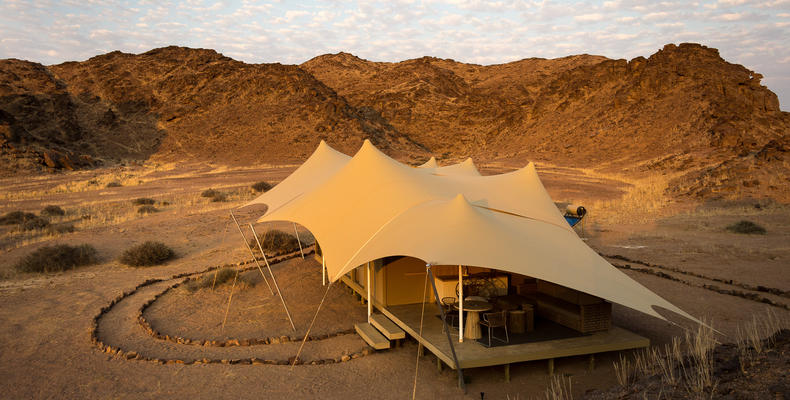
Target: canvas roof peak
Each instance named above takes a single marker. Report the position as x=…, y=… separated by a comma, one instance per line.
x=431, y=163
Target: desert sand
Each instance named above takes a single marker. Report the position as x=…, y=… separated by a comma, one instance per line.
x=680, y=250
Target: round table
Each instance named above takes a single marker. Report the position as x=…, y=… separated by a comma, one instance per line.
x=474, y=308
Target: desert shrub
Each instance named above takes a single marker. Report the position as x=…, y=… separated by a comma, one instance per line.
x=147, y=209
x=209, y=193
x=61, y=257
x=147, y=254
x=261, y=186
x=52, y=211
x=276, y=242
x=16, y=217
x=747, y=227
x=35, y=223
x=223, y=275
x=113, y=184
x=219, y=197
x=61, y=228
x=248, y=280
x=143, y=201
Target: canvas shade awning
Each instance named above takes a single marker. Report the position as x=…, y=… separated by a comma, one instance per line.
x=374, y=206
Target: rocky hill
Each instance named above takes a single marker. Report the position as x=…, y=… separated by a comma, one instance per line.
x=176, y=104
x=683, y=111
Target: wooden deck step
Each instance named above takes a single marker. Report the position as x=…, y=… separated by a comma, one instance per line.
x=387, y=327
x=372, y=336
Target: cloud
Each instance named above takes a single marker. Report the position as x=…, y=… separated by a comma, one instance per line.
x=748, y=32
x=595, y=17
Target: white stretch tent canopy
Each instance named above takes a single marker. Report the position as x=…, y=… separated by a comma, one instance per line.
x=373, y=206
x=324, y=163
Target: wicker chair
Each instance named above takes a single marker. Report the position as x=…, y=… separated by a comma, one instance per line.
x=495, y=320
x=449, y=313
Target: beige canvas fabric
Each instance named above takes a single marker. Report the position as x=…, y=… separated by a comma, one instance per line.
x=320, y=166
x=467, y=167
x=374, y=206
x=431, y=163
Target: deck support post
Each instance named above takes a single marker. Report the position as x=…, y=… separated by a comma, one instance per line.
x=591, y=366
x=551, y=366
x=461, y=383
x=370, y=304
x=507, y=372
x=460, y=304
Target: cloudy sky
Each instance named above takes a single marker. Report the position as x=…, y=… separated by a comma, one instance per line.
x=754, y=33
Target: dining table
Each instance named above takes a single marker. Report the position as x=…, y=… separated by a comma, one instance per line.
x=473, y=309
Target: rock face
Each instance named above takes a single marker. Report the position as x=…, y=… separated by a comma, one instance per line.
x=178, y=104
x=683, y=111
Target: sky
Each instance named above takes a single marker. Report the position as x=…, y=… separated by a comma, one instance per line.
x=753, y=33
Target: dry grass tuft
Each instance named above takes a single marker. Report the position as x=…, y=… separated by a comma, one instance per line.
x=560, y=388
x=142, y=201
x=147, y=254
x=147, y=209
x=57, y=258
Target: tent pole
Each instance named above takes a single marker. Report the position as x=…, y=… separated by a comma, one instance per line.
x=461, y=383
x=370, y=304
x=235, y=277
x=298, y=241
x=276, y=286
x=323, y=270
x=244, y=238
x=309, y=328
x=461, y=304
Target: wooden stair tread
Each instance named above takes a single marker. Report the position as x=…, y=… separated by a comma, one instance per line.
x=372, y=336
x=387, y=327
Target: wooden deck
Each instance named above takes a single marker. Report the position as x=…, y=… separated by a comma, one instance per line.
x=472, y=354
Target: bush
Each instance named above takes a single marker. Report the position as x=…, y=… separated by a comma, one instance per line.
x=261, y=186
x=147, y=209
x=747, y=227
x=143, y=201
x=219, y=197
x=61, y=228
x=276, y=242
x=114, y=184
x=52, y=211
x=223, y=275
x=35, y=223
x=16, y=217
x=209, y=193
x=61, y=257
x=147, y=254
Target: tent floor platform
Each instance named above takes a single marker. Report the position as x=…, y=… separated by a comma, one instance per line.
x=472, y=354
